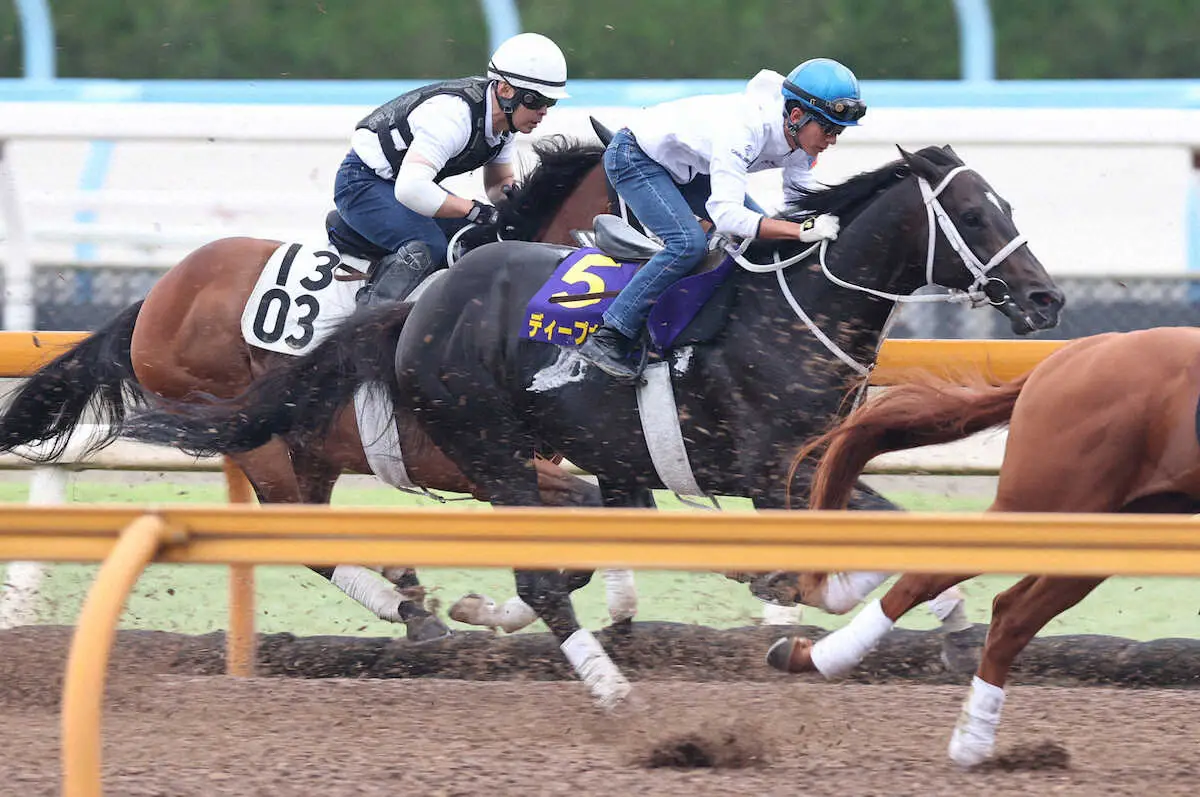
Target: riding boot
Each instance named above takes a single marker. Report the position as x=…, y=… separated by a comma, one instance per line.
x=608, y=350
x=397, y=275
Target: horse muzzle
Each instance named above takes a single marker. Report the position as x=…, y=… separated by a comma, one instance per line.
x=1033, y=310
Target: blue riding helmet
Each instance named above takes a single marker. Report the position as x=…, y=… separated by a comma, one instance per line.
x=827, y=88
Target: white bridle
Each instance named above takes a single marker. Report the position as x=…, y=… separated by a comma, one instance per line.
x=974, y=295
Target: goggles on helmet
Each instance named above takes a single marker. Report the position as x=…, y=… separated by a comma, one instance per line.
x=534, y=101
x=845, y=110
x=827, y=127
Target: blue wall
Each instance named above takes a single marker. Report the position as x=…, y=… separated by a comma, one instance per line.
x=1179, y=94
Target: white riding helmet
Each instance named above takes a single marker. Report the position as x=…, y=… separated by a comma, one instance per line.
x=531, y=61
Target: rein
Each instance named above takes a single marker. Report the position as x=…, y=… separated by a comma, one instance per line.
x=938, y=218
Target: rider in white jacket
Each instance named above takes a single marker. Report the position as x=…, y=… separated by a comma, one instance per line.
x=692, y=157
x=388, y=187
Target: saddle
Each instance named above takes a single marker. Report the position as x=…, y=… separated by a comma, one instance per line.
x=620, y=241
x=348, y=241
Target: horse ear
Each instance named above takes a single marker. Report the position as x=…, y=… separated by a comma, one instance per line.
x=919, y=164
x=949, y=150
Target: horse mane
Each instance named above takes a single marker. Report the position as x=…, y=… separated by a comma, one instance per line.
x=848, y=199
x=562, y=164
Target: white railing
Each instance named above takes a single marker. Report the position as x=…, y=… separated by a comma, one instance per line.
x=179, y=175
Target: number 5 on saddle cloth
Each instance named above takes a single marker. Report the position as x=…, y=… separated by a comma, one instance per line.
x=570, y=305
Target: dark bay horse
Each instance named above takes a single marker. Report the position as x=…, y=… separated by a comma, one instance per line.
x=184, y=343
x=1105, y=424
x=779, y=370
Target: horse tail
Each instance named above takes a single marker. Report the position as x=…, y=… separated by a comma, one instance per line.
x=300, y=398
x=924, y=412
x=97, y=372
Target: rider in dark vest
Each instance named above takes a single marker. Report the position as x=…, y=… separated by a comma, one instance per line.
x=388, y=189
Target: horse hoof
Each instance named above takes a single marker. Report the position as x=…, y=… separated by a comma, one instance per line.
x=469, y=609
x=791, y=654
x=426, y=629
x=961, y=651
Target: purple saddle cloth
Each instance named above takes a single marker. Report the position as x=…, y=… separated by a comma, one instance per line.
x=553, y=317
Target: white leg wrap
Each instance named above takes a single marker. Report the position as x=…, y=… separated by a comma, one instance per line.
x=369, y=589
x=514, y=614
x=511, y=617
x=844, y=591
x=621, y=593
x=974, y=736
x=950, y=608
x=838, y=653
x=606, y=683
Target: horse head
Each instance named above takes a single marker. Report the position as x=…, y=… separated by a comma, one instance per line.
x=974, y=244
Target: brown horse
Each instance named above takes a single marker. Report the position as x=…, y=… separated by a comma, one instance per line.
x=184, y=343
x=1105, y=424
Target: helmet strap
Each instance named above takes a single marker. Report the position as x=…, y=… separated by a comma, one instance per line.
x=507, y=104
x=793, y=128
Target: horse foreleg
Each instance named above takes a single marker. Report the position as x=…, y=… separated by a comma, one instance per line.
x=1017, y=615
x=560, y=488
x=557, y=488
x=836, y=654
x=549, y=593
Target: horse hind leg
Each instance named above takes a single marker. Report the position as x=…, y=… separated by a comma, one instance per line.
x=838, y=653
x=277, y=480
x=1017, y=615
x=401, y=600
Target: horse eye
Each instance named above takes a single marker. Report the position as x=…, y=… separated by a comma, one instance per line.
x=972, y=219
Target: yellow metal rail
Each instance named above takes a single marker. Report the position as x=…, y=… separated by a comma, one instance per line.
x=1016, y=543
x=240, y=642
x=1004, y=359
x=23, y=352
x=126, y=539
x=87, y=663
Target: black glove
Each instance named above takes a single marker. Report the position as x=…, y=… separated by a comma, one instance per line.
x=482, y=213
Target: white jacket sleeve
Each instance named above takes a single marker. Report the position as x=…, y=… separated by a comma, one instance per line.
x=415, y=188
x=441, y=127
x=733, y=152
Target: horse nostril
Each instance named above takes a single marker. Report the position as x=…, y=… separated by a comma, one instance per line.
x=1050, y=298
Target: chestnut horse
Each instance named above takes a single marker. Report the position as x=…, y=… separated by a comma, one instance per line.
x=1106, y=424
x=184, y=343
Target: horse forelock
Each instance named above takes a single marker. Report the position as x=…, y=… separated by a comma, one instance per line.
x=562, y=164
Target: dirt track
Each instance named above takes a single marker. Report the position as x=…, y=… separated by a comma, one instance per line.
x=170, y=731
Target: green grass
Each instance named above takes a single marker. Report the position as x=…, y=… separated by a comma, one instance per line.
x=192, y=598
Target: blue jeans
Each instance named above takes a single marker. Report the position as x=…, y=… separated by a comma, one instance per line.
x=368, y=204
x=666, y=209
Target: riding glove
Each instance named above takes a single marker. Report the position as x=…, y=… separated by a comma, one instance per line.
x=819, y=228
x=482, y=213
